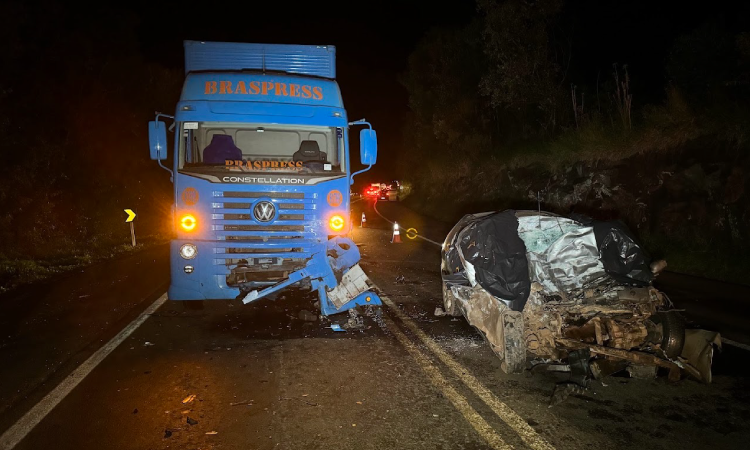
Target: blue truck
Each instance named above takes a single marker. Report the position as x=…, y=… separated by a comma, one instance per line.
x=262, y=175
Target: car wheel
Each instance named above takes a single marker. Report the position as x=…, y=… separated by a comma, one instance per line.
x=673, y=332
x=450, y=303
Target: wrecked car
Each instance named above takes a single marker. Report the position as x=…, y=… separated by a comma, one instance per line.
x=569, y=292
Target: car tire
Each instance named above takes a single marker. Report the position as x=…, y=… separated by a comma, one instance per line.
x=450, y=303
x=514, y=342
x=673, y=332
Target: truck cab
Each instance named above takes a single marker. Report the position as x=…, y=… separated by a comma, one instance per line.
x=262, y=176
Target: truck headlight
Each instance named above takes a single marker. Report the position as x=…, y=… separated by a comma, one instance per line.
x=336, y=223
x=188, y=251
x=188, y=222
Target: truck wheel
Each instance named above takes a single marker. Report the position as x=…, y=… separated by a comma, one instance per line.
x=450, y=303
x=673, y=332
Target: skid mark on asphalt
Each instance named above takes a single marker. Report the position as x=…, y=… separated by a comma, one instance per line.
x=503, y=411
x=25, y=424
x=459, y=402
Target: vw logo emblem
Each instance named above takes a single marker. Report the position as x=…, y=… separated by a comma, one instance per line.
x=264, y=211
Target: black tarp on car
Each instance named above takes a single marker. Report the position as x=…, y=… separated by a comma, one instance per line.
x=495, y=254
x=622, y=256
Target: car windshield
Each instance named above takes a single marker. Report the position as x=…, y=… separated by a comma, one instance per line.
x=213, y=146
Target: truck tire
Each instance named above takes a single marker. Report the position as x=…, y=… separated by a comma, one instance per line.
x=673, y=332
x=450, y=303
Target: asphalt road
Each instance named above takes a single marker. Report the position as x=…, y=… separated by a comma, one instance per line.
x=263, y=378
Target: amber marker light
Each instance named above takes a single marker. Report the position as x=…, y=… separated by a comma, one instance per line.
x=188, y=222
x=336, y=223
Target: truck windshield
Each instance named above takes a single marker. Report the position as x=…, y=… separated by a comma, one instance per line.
x=213, y=146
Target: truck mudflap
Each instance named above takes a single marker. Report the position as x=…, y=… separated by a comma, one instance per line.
x=335, y=274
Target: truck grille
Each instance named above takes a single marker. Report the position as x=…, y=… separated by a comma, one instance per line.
x=245, y=245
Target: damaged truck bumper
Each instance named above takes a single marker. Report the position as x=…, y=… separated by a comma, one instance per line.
x=335, y=275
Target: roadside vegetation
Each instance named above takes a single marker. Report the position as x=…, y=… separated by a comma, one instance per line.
x=506, y=113
x=74, y=92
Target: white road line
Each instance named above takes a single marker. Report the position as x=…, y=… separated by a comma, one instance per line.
x=736, y=344
x=477, y=422
x=25, y=424
x=375, y=207
x=503, y=411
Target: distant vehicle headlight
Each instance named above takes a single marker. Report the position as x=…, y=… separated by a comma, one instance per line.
x=188, y=251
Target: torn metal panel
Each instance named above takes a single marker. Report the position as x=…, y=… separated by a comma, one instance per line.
x=635, y=357
x=485, y=313
x=699, y=351
x=502, y=327
x=543, y=325
x=588, y=294
x=562, y=254
x=353, y=283
x=571, y=262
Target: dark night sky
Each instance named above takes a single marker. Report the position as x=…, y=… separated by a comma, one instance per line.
x=374, y=39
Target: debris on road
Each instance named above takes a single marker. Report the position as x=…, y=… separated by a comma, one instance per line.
x=308, y=316
x=167, y=434
x=189, y=398
x=147, y=344
x=336, y=327
x=355, y=321
x=563, y=391
x=572, y=292
x=246, y=402
x=439, y=312
x=211, y=433
x=191, y=421
x=300, y=400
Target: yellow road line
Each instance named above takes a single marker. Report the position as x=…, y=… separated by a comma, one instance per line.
x=503, y=411
x=459, y=402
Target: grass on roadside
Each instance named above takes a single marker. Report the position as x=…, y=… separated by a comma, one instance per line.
x=17, y=272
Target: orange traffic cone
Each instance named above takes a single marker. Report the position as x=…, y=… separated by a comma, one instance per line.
x=363, y=223
x=396, y=239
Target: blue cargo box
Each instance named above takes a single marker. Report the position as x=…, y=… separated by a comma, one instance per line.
x=314, y=60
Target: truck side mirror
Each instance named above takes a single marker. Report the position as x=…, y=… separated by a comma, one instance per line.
x=157, y=140
x=368, y=147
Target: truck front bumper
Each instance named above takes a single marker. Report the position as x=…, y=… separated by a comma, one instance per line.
x=198, y=278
